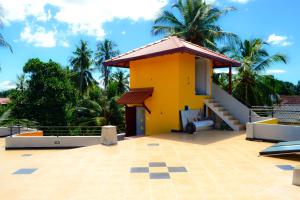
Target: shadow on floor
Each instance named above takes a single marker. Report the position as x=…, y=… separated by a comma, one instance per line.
x=291, y=157
x=201, y=138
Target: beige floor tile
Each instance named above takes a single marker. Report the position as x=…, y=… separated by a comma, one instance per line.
x=220, y=165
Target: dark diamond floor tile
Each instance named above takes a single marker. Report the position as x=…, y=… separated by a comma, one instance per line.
x=157, y=164
x=177, y=169
x=139, y=170
x=25, y=171
x=153, y=144
x=26, y=155
x=159, y=175
x=285, y=167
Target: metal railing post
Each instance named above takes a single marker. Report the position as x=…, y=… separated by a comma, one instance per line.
x=250, y=117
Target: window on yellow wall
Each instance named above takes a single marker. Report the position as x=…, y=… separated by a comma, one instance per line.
x=202, y=76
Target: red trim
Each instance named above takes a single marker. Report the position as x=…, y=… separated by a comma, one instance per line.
x=136, y=96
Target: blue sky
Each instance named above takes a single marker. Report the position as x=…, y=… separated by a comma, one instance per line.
x=50, y=29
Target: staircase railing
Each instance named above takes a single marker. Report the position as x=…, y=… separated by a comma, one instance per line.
x=234, y=106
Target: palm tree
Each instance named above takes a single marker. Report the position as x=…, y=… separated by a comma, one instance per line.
x=89, y=113
x=105, y=50
x=81, y=63
x=3, y=43
x=254, y=59
x=21, y=82
x=195, y=21
x=122, y=80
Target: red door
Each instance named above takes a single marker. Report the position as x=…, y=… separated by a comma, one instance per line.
x=130, y=121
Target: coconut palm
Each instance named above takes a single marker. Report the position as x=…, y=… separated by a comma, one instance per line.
x=106, y=49
x=254, y=59
x=195, y=21
x=3, y=43
x=81, y=63
x=122, y=80
x=88, y=112
x=21, y=82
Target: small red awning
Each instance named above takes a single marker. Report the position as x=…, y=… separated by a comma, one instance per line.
x=136, y=96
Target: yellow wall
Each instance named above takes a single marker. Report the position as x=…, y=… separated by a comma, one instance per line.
x=187, y=83
x=269, y=121
x=173, y=79
x=162, y=74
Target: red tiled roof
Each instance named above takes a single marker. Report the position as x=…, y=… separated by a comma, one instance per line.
x=4, y=101
x=170, y=45
x=135, y=96
x=290, y=100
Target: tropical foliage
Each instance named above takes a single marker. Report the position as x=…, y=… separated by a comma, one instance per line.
x=48, y=94
x=81, y=63
x=105, y=50
x=249, y=86
x=3, y=43
x=195, y=21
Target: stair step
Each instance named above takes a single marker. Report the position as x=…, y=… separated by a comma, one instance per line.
x=216, y=104
x=235, y=121
x=242, y=127
x=220, y=108
x=230, y=117
x=224, y=114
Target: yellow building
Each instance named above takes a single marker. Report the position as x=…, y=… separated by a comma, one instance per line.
x=165, y=77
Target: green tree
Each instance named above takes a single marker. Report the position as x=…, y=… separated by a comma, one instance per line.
x=111, y=110
x=105, y=50
x=195, y=21
x=254, y=59
x=48, y=95
x=101, y=107
x=121, y=78
x=88, y=113
x=3, y=43
x=81, y=63
x=298, y=88
x=21, y=82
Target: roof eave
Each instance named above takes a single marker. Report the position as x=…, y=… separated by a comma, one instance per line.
x=125, y=62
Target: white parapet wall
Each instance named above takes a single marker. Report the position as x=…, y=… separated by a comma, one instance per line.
x=32, y=142
x=6, y=131
x=268, y=130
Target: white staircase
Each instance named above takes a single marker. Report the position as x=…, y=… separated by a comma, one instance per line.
x=219, y=110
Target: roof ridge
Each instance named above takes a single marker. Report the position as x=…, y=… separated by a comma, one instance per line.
x=177, y=41
x=142, y=47
x=206, y=49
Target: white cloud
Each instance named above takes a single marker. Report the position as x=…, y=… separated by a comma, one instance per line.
x=82, y=16
x=279, y=40
x=6, y=85
x=224, y=70
x=64, y=43
x=275, y=71
x=39, y=37
x=123, y=32
x=210, y=1
x=15, y=10
x=240, y=1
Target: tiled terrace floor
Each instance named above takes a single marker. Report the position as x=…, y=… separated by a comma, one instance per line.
x=210, y=165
